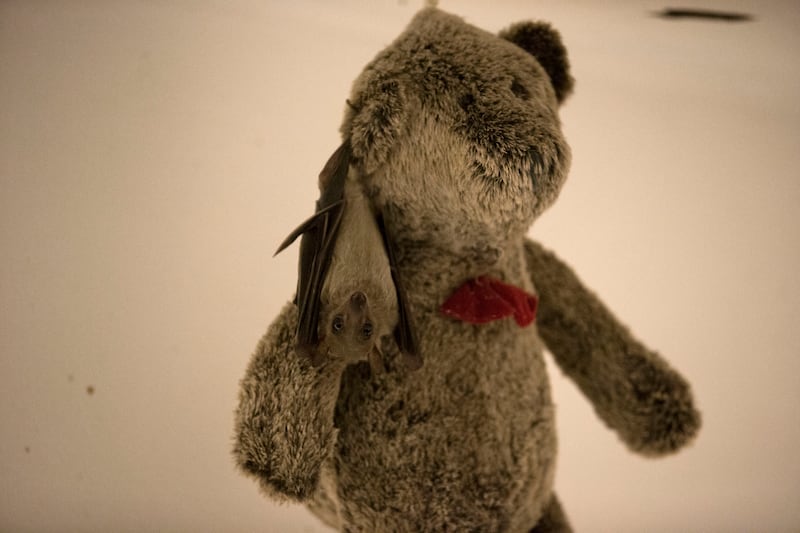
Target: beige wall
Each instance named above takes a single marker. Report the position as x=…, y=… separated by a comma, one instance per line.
x=153, y=154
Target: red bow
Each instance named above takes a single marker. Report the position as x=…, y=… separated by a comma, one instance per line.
x=484, y=299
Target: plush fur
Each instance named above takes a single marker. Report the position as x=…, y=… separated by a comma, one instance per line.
x=456, y=135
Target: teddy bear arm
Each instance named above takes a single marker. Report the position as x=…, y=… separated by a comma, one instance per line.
x=633, y=390
x=284, y=421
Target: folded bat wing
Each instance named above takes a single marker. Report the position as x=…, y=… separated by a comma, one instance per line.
x=404, y=332
x=317, y=240
x=316, y=249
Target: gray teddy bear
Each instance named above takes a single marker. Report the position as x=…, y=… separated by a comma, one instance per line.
x=455, y=138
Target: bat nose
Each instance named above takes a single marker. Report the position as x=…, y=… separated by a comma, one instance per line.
x=358, y=300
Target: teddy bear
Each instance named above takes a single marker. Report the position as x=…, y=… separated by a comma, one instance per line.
x=454, y=135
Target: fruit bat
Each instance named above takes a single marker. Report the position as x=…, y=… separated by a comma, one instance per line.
x=349, y=295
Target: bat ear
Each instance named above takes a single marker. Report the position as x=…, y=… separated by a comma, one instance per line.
x=543, y=42
x=376, y=361
x=311, y=353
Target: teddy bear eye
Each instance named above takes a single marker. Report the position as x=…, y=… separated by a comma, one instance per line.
x=467, y=101
x=337, y=326
x=519, y=89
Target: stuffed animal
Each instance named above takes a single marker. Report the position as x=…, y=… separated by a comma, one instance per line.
x=454, y=137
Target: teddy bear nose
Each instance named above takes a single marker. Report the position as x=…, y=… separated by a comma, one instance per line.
x=358, y=300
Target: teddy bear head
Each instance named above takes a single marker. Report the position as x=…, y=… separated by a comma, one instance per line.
x=455, y=130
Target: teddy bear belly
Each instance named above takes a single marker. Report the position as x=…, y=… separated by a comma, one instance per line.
x=465, y=443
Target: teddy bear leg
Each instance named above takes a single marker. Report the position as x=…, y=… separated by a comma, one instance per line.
x=284, y=423
x=553, y=520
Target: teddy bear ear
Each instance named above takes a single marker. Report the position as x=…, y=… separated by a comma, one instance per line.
x=544, y=43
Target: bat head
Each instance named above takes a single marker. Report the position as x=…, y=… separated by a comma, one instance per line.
x=349, y=329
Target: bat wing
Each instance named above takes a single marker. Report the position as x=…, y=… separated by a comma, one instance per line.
x=316, y=250
x=310, y=224
x=404, y=332
x=317, y=240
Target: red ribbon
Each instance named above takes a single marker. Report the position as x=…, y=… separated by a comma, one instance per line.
x=484, y=299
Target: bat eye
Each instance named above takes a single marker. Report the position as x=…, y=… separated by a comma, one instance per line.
x=337, y=326
x=366, y=330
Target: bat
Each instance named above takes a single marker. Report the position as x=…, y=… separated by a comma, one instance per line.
x=349, y=295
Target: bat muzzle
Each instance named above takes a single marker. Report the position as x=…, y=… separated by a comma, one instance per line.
x=358, y=302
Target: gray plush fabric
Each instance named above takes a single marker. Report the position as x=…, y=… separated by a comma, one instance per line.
x=633, y=390
x=457, y=139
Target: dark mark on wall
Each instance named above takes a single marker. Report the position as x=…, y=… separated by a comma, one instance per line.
x=27, y=449
x=705, y=14
x=90, y=390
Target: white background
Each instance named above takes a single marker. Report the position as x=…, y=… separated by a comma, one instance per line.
x=153, y=154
